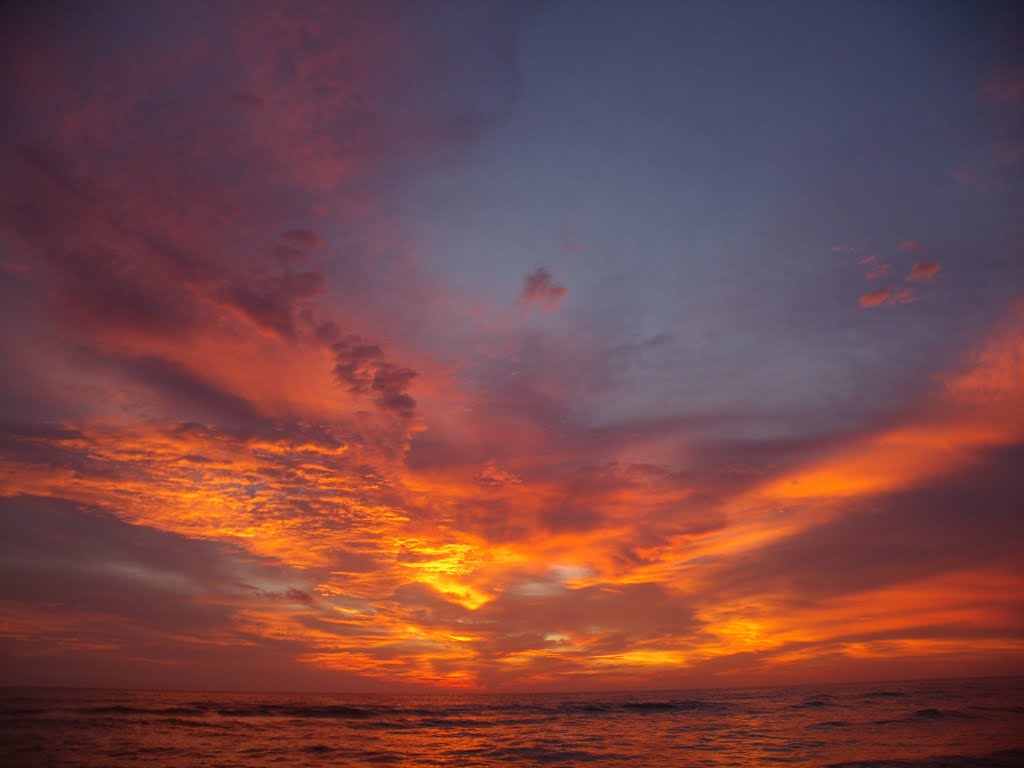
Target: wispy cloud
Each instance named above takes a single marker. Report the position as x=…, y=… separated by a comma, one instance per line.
x=923, y=271
x=875, y=298
x=876, y=267
x=882, y=296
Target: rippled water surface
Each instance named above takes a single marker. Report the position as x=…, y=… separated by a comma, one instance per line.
x=957, y=723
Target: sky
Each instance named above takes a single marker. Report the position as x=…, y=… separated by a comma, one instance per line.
x=514, y=346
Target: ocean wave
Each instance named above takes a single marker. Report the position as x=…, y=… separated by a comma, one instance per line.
x=926, y=715
x=1012, y=758
x=121, y=709
x=533, y=755
x=812, y=703
x=23, y=711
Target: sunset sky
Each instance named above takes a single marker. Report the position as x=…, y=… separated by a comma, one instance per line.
x=566, y=345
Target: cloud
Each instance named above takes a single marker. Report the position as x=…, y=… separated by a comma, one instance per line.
x=911, y=246
x=924, y=270
x=60, y=553
x=882, y=296
x=539, y=288
x=891, y=538
x=882, y=270
x=184, y=391
x=228, y=311
x=360, y=366
x=273, y=302
x=906, y=296
x=875, y=298
x=389, y=385
x=493, y=475
x=876, y=267
x=89, y=598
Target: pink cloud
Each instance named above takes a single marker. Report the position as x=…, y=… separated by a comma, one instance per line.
x=924, y=270
x=880, y=271
x=882, y=296
x=878, y=268
x=540, y=288
x=906, y=296
x=913, y=246
x=569, y=245
x=875, y=298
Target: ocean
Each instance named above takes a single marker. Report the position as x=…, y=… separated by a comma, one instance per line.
x=920, y=724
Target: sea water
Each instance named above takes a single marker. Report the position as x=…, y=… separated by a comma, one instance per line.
x=922, y=724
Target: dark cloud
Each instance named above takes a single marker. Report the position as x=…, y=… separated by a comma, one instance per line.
x=967, y=520
x=105, y=266
x=73, y=558
x=273, y=302
x=491, y=475
x=389, y=385
x=40, y=431
x=539, y=288
x=355, y=363
x=182, y=388
x=348, y=561
x=361, y=367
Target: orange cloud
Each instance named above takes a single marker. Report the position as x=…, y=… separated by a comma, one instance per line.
x=400, y=587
